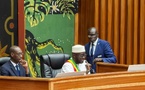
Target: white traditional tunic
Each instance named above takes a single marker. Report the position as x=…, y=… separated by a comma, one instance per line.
x=68, y=67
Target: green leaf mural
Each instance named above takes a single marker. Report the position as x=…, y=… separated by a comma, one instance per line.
x=48, y=27
x=36, y=10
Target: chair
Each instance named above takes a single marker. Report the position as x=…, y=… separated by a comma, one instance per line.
x=51, y=64
x=3, y=60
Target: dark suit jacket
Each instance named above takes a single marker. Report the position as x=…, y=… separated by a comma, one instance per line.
x=103, y=50
x=8, y=69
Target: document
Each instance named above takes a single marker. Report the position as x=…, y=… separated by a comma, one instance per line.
x=136, y=67
x=81, y=73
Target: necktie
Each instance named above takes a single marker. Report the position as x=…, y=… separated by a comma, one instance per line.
x=92, y=71
x=92, y=49
x=18, y=70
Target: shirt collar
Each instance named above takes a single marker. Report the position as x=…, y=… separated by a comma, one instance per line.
x=14, y=64
x=95, y=43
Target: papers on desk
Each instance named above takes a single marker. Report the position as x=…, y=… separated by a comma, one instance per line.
x=136, y=67
x=81, y=73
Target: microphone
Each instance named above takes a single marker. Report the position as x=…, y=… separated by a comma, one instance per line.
x=92, y=71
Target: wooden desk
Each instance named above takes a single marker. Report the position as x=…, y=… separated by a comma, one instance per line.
x=105, y=81
x=110, y=67
x=23, y=83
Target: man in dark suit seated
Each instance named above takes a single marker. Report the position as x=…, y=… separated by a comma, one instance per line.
x=98, y=50
x=16, y=66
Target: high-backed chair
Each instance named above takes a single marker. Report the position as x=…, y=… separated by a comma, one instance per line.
x=3, y=60
x=51, y=64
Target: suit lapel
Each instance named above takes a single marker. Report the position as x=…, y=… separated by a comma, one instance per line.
x=89, y=46
x=97, y=48
x=13, y=69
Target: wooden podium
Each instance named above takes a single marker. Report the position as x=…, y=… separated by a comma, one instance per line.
x=110, y=67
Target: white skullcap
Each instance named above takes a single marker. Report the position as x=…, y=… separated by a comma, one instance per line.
x=78, y=48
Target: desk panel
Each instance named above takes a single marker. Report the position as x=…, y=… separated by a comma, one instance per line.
x=105, y=81
x=22, y=83
x=115, y=80
x=110, y=67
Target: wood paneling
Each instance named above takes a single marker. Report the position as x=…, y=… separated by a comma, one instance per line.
x=122, y=32
x=102, y=81
x=120, y=22
x=99, y=81
x=76, y=29
x=142, y=32
x=23, y=83
x=110, y=22
x=135, y=32
x=116, y=25
x=86, y=19
x=21, y=30
x=110, y=67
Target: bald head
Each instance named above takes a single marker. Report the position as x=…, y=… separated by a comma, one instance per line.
x=93, y=29
x=92, y=34
x=13, y=48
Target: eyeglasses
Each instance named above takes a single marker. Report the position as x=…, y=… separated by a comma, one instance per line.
x=20, y=53
x=92, y=35
x=82, y=55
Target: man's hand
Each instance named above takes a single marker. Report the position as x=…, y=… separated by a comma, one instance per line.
x=88, y=67
x=98, y=60
x=25, y=65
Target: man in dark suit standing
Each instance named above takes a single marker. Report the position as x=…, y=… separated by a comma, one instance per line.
x=98, y=50
x=16, y=66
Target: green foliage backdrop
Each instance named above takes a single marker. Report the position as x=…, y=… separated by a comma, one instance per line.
x=49, y=29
